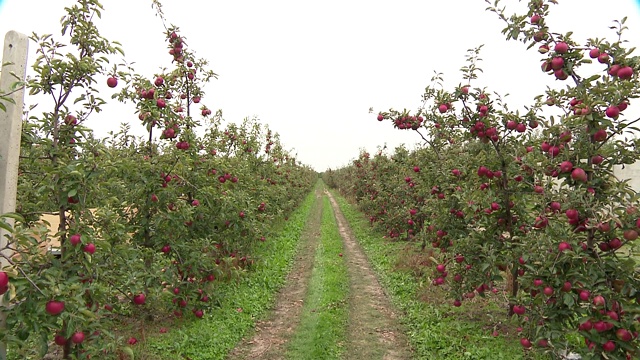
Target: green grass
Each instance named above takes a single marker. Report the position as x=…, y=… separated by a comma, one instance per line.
x=323, y=323
x=435, y=329
x=243, y=302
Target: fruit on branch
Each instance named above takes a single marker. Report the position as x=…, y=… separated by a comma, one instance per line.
x=112, y=82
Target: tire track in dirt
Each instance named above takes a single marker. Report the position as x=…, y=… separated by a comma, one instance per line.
x=374, y=331
x=271, y=335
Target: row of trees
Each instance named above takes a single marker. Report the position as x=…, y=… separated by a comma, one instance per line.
x=524, y=199
x=148, y=226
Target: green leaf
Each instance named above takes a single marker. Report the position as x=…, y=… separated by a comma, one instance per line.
x=129, y=351
x=5, y=226
x=568, y=299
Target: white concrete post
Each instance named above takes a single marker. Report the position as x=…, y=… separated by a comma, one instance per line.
x=14, y=59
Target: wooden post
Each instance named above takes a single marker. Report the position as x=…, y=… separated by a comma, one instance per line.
x=14, y=61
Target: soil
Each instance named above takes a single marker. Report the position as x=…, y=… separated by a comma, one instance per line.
x=374, y=331
x=271, y=335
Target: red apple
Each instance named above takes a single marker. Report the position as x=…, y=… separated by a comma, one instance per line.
x=566, y=166
x=579, y=175
x=604, y=227
x=70, y=120
x=600, y=326
x=612, y=112
x=625, y=72
x=535, y=19
x=112, y=82
x=613, y=70
x=609, y=346
x=630, y=234
x=525, y=343
x=519, y=309
x=557, y=63
x=543, y=343
x=597, y=159
x=584, y=295
x=78, y=337
x=74, y=239
x=563, y=246
x=561, y=47
x=539, y=36
x=586, y=326
x=60, y=340
x=89, y=248
x=624, y=335
x=139, y=299
x=603, y=246
x=4, y=279
x=603, y=58
x=598, y=301
x=541, y=222
x=623, y=105
x=54, y=307
x=615, y=243
x=561, y=74
x=572, y=214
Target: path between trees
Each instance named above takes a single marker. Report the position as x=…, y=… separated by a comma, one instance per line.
x=373, y=329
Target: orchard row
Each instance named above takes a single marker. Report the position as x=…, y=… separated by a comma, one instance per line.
x=524, y=201
x=148, y=226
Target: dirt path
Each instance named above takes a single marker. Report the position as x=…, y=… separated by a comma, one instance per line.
x=271, y=336
x=374, y=331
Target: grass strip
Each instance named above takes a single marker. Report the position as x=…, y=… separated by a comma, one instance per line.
x=434, y=330
x=323, y=323
x=244, y=302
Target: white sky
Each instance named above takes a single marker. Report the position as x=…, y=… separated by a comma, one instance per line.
x=311, y=70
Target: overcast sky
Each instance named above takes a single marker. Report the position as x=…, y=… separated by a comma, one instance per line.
x=312, y=69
